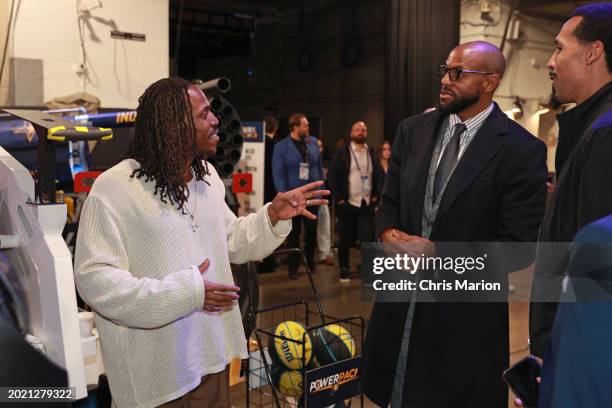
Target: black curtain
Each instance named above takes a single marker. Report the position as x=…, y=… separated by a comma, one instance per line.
x=420, y=34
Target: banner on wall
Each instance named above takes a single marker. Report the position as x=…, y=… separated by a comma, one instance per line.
x=250, y=169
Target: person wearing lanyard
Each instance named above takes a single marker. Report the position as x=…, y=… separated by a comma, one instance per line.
x=353, y=181
x=296, y=161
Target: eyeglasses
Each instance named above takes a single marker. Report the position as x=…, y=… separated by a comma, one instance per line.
x=455, y=73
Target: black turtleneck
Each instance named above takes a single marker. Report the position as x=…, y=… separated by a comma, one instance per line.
x=574, y=122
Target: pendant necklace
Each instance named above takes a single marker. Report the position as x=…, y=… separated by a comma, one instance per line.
x=195, y=204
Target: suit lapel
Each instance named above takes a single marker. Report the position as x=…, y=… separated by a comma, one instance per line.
x=417, y=169
x=478, y=154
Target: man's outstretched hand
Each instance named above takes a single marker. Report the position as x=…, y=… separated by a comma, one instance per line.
x=294, y=202
x=395, y=236
x=217, y=296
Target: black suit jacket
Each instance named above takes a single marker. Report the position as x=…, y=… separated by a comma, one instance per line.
x=339, y=174
x=496, y=193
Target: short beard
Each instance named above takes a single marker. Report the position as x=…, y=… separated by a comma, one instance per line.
x=458, y=105
x=554, y=101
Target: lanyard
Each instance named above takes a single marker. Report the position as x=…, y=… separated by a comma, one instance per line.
x=305, y=158
x=357, y=162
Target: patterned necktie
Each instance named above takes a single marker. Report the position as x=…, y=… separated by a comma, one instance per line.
x=449, y=158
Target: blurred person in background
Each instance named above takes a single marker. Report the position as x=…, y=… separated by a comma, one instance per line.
x=384, y=154
x=324, y=223
x=353, y=180
x=296, y=161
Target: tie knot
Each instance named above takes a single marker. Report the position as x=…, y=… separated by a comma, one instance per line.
x=459, y=128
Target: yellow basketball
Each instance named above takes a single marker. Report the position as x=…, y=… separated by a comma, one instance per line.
x=288, y=382
x=291, y=354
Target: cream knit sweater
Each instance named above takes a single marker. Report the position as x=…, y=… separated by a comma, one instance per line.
x=136, y=265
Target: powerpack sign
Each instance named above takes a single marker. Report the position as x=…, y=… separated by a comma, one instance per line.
x=333, y=383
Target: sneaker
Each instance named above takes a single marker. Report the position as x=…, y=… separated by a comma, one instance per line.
x=328, y=260
x=344, y=275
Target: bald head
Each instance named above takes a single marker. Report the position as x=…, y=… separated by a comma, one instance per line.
x=482, y=56
x=477, y=68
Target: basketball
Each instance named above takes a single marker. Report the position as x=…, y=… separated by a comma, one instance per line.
x=287, y=382
x=289, y=353
x=332, y=343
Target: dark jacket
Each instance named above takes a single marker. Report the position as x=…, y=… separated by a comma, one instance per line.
x=339, y=174
x=582, y=195
x=497, y=192
x=269, y=189
x=576, y=371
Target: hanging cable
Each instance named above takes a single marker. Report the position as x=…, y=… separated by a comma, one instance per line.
x=81, y=26
x=513, y=8
x=6, y=41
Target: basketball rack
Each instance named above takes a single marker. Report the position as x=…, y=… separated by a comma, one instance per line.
x=271, y=384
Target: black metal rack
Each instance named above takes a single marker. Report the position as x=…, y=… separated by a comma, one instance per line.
x=262, y=384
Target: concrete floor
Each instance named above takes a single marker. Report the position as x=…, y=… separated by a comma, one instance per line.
x=344, y=300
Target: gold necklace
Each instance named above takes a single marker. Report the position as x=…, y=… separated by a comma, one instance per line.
x=195, y=204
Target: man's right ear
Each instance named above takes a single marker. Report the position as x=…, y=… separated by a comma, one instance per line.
x=594, y=52
x=492, y=82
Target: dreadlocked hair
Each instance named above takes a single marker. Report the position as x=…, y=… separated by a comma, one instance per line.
x=163, y=140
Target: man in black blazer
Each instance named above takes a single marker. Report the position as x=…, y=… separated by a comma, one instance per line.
x=464, y=173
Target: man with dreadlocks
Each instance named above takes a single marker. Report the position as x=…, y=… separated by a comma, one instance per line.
x=153, y=256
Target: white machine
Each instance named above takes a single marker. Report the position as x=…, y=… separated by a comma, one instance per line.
x=31, y=237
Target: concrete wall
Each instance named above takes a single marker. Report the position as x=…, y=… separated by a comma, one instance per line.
x=116, y=71
x=529, y=45
x=4, y=18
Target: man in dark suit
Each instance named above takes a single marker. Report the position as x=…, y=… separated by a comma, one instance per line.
x=581, y=71
x=464, y=173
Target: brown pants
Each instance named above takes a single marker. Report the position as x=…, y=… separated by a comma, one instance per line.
x=213, y=392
